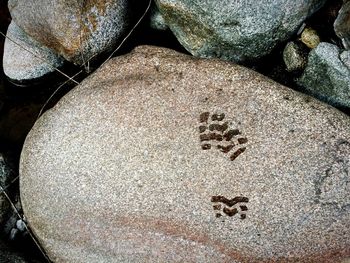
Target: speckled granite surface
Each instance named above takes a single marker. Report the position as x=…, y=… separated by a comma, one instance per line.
x=160, y=157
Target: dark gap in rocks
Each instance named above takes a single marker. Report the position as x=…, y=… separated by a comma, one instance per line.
x=322, y=21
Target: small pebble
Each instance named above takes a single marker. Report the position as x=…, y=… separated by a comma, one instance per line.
x=21, y=226
x=310, y=38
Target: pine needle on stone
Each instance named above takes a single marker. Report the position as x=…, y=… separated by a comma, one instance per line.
x=48, y=63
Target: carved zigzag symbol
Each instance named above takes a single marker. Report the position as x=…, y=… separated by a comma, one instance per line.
x=230, y=203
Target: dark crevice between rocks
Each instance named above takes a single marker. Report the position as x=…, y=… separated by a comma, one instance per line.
x=323, y=20
x=273, y=65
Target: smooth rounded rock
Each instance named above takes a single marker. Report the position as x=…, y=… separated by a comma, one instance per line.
x=77, y=30
x=161, y=157
x=327, y=75
x=25, y=58
x=234, y=30
x=310, y=38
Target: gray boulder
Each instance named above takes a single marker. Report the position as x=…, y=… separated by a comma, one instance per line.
x=161, y=157
x=327, y=75
x=234, y=30
x=342, y=24
x=25, y=58
x=77, y=30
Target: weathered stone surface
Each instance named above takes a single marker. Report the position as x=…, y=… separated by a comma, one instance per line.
x=77, y=30
x=156, y=19
x=342, y=24
x=26, y=59
x=327, y=74
x=294, y=56
x=162, y=157
x=234, y=30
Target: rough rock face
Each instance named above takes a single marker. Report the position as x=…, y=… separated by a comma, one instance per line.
x=327, y=74
x=156, y=20
x=77, y=30
x=158, y=156
x=234, y=30
x=26, y=59
x=294, y=56
x=342, y=24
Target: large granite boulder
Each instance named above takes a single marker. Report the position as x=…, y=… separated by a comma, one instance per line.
x=327, y=75
x=161, y=157
x=234, y=30
x=77, y=30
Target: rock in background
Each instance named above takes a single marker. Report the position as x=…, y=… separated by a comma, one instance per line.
x=77, y=30
x=234, y=30
x=327, y=75
x=26, y=59
x=295, y=56
x=321, y=68
x=160, y=156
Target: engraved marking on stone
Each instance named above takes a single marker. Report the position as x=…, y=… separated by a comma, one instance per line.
x=213, y=130
x=204, y=117
x=230, y=134
x=242, y=140
x=218, y=117
x=211, y=137
x=243, y=207
x=231, y=206
x=217, y=207
x=206, y=146
x=202, y=129
x=226, y=149
x=218, y=127
x=237, y=153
